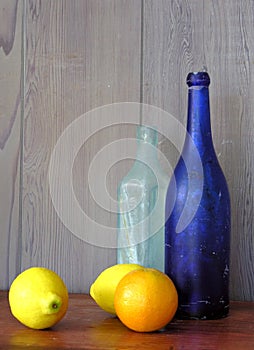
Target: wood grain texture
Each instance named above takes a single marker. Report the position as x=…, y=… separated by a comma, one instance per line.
x=181, y=36
x=86, y=326
x=79, y=55
x=173, y=46
x=229, y=53
x=10, y=119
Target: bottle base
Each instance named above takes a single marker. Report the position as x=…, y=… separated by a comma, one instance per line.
x=183, y=314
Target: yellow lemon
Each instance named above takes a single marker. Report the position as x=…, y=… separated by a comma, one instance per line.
x=38, y=298
x=103, y=289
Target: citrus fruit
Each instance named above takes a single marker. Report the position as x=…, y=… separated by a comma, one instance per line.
x=103, y=289
x=146, y=300
x=38, y=298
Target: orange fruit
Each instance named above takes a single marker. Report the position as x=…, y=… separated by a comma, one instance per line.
x=145, y=300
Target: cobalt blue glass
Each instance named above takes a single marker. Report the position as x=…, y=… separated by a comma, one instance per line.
x=197, y=228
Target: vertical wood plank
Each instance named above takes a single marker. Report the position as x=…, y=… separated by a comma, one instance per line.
x=10, y=119
x=173, y=46
x=79, y=55
x=181, y=36
x=229, y=34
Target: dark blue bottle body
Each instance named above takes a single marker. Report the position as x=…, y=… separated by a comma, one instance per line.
x=197, y=257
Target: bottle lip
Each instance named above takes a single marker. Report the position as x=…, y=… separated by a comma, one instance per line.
x=198, y=79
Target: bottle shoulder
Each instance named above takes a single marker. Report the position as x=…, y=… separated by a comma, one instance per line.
x=205, y=165
x=209, y=177
x=145, y=174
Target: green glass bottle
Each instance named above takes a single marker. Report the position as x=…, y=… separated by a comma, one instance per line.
x=141, y=203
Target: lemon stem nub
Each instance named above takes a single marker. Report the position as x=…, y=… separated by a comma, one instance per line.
x=51, y=303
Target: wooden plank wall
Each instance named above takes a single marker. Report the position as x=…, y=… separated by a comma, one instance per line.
x=10, y=121
x=182, y=36
x=61, y=59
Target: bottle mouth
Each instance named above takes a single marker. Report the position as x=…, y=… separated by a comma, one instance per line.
x=198, y=79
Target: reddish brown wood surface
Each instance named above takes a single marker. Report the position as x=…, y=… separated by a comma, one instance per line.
x=86, y=326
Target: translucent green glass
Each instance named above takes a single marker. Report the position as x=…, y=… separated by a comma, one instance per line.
x=141, y=206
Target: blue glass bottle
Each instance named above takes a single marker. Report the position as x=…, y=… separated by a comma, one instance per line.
x=141, y=206
x=197, y=253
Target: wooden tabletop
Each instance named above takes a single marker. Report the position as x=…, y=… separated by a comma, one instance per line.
x=86, y=326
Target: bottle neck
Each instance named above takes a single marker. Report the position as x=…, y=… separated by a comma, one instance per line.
x=198, y=122
x=147, y=142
